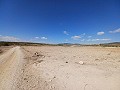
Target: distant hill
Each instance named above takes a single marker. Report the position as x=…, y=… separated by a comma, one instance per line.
x=112, y=44
x=68, y=44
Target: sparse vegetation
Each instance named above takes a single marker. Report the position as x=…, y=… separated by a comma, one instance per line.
x=115, y=44
x=21, y=44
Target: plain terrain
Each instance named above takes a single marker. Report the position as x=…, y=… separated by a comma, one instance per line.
x=58, y=68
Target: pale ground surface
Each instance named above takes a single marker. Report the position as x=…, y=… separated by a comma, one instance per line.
x=58, y=68
x=5, y=48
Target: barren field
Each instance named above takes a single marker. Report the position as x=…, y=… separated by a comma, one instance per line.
x=60, y=68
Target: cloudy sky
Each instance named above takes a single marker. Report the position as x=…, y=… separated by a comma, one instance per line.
x=60, y=21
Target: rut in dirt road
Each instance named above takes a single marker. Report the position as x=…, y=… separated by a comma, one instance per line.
x=11, y=63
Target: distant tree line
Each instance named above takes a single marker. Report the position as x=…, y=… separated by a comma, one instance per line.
x=21, y=44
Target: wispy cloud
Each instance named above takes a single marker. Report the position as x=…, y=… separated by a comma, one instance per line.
x=83, y=34
x=9, y=39
x=89, y=40
x=65, y=32
x=100, y=33
x=44, y=38
x=89, y=36
x=36, y=37
x=66, y=40
x=83, y=40
x=104, y=39
x=115, y=31
x=76, y=37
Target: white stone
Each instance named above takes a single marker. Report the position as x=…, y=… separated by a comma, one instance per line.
x=81, y=62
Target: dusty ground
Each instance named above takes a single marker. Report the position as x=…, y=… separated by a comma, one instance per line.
x=4, y=49
x=58, y=68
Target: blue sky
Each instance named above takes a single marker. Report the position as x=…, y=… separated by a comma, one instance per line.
x=60, y=21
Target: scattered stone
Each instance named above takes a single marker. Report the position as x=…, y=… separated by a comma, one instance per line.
x=96, y=59
x=66, y=62
x=81, y=62
x=54, y=77
x=36, y=53
x=25, y=78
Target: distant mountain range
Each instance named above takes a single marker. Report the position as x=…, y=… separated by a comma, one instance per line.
x=112, y=44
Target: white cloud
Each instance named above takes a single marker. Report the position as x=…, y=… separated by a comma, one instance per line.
x=89, y=36
x=43, y=38
x=9, y=38
x=82, y=35
x=115, y=31
x=65, y=32
x=37, y=37
x=106, y=39
x=75, y=37
x=100, y=33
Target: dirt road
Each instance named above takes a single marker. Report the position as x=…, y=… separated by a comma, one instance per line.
x=11, y=63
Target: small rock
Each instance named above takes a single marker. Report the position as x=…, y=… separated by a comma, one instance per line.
x=66, y=62
x=54, y=77
x=96, y=59
x=25, y=78
x=36, y=53
x=81, y=62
